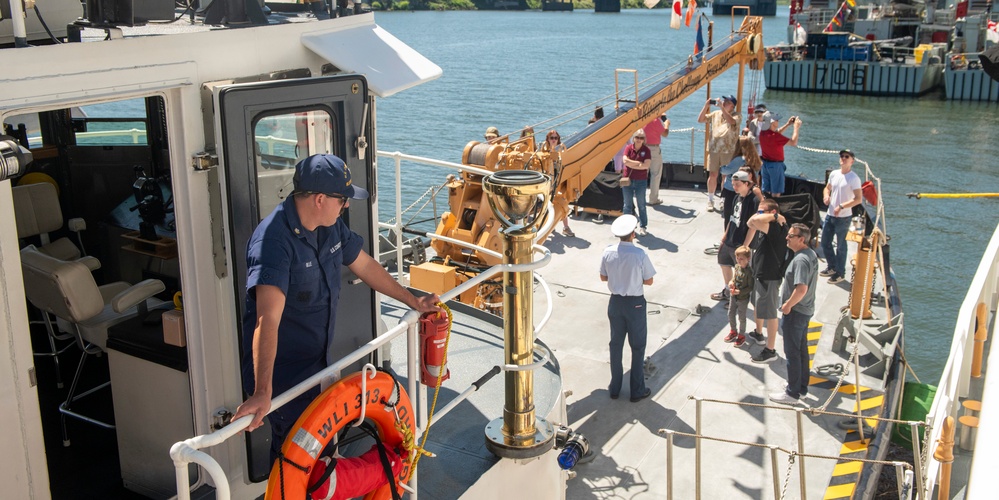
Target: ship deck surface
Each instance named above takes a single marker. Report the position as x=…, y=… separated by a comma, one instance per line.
x=690, y=359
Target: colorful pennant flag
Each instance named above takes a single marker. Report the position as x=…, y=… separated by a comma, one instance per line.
x=841, y=16
x=699, y=40
x=992, y=34
x=691, y=12
x=674, y=21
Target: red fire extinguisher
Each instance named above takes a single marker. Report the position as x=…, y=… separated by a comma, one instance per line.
x=433, y=339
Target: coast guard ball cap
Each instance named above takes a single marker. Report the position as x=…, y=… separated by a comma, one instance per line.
x=624, y=225
x=326, y=174
x=847, y=151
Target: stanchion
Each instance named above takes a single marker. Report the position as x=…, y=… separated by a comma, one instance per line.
x=945, y=455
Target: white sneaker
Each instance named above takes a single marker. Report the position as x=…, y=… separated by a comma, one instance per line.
x=642, y=231
x=783, y=398
x=711, y=206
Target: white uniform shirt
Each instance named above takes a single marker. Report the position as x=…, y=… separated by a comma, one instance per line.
x=626, y=268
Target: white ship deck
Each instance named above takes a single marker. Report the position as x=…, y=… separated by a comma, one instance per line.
x=690, y=359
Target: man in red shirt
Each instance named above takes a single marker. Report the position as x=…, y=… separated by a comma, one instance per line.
x=772, y=142
x=655, y=131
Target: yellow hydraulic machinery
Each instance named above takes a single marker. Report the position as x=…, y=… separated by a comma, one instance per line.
x=471, y=230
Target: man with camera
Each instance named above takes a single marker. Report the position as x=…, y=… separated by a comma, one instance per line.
x=772, y=142
x=723, y=139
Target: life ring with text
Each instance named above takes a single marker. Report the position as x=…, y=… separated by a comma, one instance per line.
x=385, y=404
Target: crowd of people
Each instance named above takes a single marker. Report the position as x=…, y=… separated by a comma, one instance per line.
x=766, y=261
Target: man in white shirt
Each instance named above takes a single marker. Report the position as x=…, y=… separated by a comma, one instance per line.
x=841, y=194
x=627, y=269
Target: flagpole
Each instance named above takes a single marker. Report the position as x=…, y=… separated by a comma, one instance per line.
x=707, y=132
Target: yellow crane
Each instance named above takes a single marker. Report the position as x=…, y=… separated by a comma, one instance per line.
x=470, y=221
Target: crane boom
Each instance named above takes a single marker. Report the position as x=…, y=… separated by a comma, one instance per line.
x=572, y=169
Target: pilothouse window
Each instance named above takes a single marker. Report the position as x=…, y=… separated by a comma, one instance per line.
x=280, y=141
x=114, y=123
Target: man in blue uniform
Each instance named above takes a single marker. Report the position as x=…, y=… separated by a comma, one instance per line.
x=294, y=261
x=626, y=269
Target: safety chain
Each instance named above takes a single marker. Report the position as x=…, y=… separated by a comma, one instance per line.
x=429, y=195
x=787, y=475
x=924, y=457
x=817, y=150
x=814, y=411
x=839, y=383
x=782, y=450
x=433, y=406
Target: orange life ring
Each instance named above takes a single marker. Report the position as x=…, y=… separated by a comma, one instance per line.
x=334, y=409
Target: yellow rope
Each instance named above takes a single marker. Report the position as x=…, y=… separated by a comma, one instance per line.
x=421, y=450
x=952, y=195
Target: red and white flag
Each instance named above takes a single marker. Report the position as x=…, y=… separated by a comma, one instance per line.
x=674, y=21
x=691, y=12
x=992, y=33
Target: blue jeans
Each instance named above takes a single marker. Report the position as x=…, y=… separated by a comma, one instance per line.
x=794, y=326
x=627, y=319
x=835, y=227
x=772, y=177
x=636, y=191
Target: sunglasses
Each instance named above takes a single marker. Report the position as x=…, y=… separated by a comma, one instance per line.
x=845, y=156
x=795, y=235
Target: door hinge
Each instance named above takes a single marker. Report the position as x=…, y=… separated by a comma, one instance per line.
x=204, y=161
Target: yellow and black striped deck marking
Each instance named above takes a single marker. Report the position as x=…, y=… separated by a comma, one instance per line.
x=814, y=332
x=844, y=476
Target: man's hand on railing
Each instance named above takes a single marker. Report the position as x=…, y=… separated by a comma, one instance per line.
x=257, y=405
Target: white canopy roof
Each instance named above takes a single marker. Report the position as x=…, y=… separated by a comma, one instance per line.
x=389, y=65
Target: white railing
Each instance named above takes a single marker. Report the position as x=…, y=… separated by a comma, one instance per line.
x=189, y=451
x=133, y=133
x=955, y=382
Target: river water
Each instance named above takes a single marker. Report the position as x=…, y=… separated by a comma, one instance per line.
x=511, y=69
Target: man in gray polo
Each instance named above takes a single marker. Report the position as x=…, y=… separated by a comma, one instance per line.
x=797, y=306
x=627, y=269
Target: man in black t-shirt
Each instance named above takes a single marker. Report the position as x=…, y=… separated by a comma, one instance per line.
x=737, y=230
x=769, y=249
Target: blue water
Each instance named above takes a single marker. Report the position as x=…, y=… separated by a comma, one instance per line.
x=510, y=69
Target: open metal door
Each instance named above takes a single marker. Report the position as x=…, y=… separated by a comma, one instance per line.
x=265, y=128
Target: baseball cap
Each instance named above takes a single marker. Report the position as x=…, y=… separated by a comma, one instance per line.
x=492, y=133
x=760, y=108
x=731, y=99
x=740, y=176
x=326, y=174
x=847, y=151
x=624, y=225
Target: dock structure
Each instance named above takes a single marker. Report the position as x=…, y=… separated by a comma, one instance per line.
x=607, y=6
x=556, y=5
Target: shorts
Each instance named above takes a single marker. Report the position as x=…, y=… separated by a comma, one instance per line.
x=765, y=298
x=773, y=177
x=726, y=255
x=717, y=160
